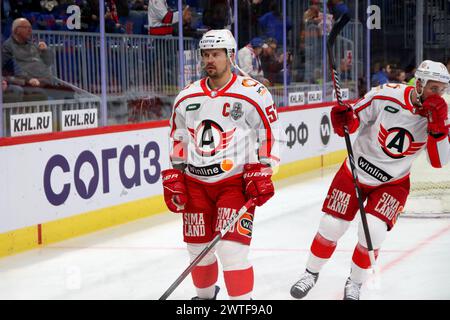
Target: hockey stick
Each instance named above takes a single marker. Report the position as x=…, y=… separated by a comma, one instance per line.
x=233, y=219
x=337, y=28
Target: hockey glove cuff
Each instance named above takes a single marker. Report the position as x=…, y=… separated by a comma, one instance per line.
x=437, y=113
x=258, y=183
x=344, y=116
x=175, y=193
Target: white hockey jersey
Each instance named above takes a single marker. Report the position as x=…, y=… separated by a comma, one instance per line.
x=215, y=132
x=391, y=136
x=160, y=18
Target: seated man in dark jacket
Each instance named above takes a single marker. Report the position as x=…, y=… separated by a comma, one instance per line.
x=29, y=65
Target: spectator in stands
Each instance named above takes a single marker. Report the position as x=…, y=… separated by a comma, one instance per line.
x=399, y=76
x=5, y=19
x=46, y=20
x=161, y=18
x=49, y=5
x=113, y=10
x=139, y=5
x=328, y=22
x=24, y=60
x=391, y=73
x=272, y=64
x=362, y=86
x=188, y=29
x=89, y=15
x=345, y=69
x=317, y=76
x=122, y=7
x=311, y=15
x=249, y=12
x=217, y=14
x=381, y=76
x=272, y=23
x=250, y=62
x=30, y=65
x=410, y=70
x=311, y=42
x=336, y=8
x=11, y=93
x=19, y=7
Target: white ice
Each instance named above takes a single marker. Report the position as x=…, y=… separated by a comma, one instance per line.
x=141, y=259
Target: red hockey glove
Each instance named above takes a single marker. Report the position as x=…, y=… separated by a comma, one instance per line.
x=258, y=182
x=437, y=113
x=175, y=194
x=344, y=116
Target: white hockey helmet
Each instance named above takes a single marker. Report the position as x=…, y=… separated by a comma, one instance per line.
x=431, y=70
x=218, y=39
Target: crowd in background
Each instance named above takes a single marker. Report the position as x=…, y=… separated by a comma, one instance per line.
x=392, y=73
x=260, y=37
x=133, y=16
x=261, y=19
x=28, y=65
x=259, y=42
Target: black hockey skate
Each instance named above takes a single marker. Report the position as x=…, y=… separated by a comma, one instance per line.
x=213, y=298
x=352, y=290
x=301, y=288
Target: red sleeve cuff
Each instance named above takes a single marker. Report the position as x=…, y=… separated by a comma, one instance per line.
x=168, y=17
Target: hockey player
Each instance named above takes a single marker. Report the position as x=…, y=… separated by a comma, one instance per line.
x=223, y=147
x=161, y=18
x=396, y=122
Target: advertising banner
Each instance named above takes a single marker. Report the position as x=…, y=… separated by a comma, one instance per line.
x=31, y=123
x=79, y=119
x=54, y=179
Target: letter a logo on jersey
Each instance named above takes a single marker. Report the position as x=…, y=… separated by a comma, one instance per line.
x=210, y=138
x=398, y=142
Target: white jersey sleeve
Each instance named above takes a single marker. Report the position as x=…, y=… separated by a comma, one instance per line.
x=380, y=97
x=159, y=13
x=265, y=122
x=364, y=109
x=245, y=60
x=438, y=151
x=178, y=134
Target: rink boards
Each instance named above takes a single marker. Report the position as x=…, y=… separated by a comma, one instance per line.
x=65, y=184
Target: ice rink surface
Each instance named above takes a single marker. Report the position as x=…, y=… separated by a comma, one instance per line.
x=141, y=259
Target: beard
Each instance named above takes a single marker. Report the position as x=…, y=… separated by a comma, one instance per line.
x=215, y=73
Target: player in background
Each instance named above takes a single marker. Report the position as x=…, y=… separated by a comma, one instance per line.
x=396, y=122
x=224, y=132
x=161, y=19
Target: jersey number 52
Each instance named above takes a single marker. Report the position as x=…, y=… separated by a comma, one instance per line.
x=271, y=113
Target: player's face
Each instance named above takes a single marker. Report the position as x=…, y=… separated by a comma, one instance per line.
x=434, y=87
x=215, y=62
